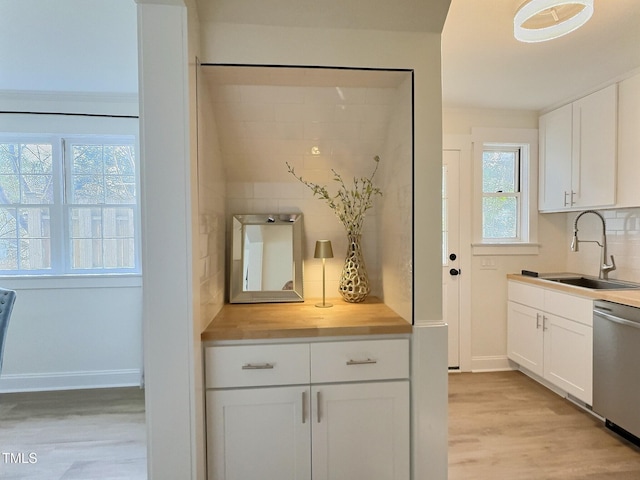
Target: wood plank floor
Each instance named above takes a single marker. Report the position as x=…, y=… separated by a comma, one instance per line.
x=72, y=435
x=506, y=426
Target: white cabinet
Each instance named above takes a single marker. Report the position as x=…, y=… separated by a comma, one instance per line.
x=361, y=430
x=555, y=130
x=578, y=153
x=259, y=433
x=550, y=334
x=326, y=410
x=525, y=342
x=628, y=193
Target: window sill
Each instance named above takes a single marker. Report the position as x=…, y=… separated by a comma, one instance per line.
x=35, y=282
x=505, y=248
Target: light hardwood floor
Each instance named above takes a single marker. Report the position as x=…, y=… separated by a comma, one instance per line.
x=72, y=435
x=506, y=426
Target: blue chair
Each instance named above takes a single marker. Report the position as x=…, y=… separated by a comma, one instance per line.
x=7, y=299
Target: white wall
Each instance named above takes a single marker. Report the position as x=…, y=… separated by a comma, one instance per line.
x=212, y=202
x=75, y=332
x=265, y=126
x=83, y=335
x=251, y=44
x=396, y=211
x=488, y=285
x=81, y=46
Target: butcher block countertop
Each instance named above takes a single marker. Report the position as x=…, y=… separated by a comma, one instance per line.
x=303, y=319
x=625, y=297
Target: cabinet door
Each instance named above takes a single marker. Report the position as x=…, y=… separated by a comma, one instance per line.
x=568, y=356
x=595, y=121
x=525, y=337
x=361, y=431
x=627, y=191
x=555, y=159
x=259, y=434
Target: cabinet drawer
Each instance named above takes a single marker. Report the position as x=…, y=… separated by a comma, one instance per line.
x=569, y=306
x=359, y=360
x=526, y=294
x=256, y=365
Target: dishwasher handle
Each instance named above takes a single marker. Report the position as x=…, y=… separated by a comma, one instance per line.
x=616, y=319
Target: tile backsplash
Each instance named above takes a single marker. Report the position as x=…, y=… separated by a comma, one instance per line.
x=623, y=242
x=261, y=128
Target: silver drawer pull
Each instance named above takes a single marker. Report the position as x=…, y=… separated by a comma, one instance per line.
x=368, y=361
x=257, y=366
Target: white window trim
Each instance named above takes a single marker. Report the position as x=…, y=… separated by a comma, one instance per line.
x=527, y=139
x=77, y=127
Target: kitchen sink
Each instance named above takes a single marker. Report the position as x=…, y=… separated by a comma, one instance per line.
x=594, y=283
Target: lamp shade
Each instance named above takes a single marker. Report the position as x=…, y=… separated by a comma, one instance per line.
x=541, y=20
x=323, y=249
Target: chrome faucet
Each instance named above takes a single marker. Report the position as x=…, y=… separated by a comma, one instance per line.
x=605, y=267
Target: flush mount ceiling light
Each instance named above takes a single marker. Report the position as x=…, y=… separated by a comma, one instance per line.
x=542, y=20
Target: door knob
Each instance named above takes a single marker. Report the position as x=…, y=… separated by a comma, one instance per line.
x=455, y=271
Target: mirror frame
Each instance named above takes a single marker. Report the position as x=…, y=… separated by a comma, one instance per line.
x=236, y=294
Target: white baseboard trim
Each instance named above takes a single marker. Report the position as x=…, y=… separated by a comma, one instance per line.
x=70, y=380
x=496, y=363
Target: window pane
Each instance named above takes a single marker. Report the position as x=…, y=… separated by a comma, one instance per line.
x=103, y=174
x=26, y=173
x=102, y=238
x=87, y=159
x=499, y=217
x=88, y=189
x=499, y=171
x=25, y=239
x=120, y=189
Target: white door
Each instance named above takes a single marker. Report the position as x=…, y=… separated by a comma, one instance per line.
x=361, y=431
x=259, y=434
x=450, y=252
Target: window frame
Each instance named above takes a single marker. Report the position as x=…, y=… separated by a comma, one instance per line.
x=60, y=216
x=517, y=193
x=526, y=141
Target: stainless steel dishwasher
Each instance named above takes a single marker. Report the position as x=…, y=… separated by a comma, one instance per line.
x=616, y=367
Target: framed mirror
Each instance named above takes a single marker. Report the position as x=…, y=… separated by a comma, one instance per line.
x=266, y=258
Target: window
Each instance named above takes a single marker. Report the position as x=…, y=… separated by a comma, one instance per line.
x=68, y=205
x=501, y=193
x=505, y=202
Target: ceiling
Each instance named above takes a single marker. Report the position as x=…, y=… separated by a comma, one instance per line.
x=483, y=65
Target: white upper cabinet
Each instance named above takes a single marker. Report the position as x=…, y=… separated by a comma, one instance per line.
x=578, y=144
x=555, y=159
x=628, y=193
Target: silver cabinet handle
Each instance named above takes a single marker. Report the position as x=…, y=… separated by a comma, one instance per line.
x=304, y=417
x=368, y=361
x=257, y=366
x=566, y=194
x=537, y=320
x=318, y=399
x=544, y=323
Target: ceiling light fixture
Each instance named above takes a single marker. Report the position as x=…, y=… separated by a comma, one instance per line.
x=542, y=20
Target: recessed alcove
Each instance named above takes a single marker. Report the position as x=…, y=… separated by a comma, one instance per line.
x=253, y=120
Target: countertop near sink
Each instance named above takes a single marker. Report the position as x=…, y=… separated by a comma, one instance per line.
x=626, y=297
x=304, y=319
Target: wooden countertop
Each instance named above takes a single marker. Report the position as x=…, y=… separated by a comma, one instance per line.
x=304, y=319
x=626, y=297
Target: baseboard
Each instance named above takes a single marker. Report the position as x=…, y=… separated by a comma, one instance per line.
x=70, y=380
x=497, y=363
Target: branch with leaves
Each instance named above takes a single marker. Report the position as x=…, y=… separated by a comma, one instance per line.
x=349, y=205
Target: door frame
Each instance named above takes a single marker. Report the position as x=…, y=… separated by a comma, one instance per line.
x=462, y=143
